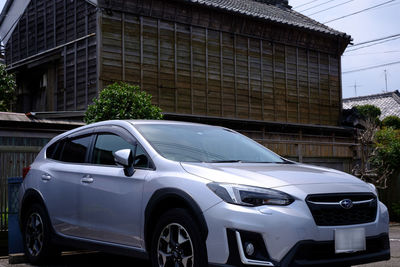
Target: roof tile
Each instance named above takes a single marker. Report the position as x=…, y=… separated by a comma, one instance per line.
x=389, y=103
x=276, y=13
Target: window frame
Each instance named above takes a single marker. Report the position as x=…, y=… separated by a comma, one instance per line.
x=56, y=144
x=125, y=135
x=65, y=140
x=61, y=145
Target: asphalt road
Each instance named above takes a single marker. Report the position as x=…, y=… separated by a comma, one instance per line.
x=85, y=259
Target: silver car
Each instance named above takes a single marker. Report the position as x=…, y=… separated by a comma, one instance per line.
x=193, y=195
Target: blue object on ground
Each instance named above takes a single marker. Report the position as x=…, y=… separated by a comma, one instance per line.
x=15, y=244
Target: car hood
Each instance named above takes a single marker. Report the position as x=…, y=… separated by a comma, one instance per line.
x=269, y=175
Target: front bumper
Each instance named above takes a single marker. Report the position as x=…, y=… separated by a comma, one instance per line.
x=290, y=235
x=314, y=253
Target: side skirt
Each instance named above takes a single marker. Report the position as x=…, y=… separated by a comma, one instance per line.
x=69, y=242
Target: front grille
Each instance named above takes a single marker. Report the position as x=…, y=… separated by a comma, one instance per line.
x=327, y=210
x=313, y=253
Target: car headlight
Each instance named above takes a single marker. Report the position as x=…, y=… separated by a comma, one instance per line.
x=374, y=188
x=250, y=195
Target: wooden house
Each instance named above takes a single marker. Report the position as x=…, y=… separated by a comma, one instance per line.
x=254, y=65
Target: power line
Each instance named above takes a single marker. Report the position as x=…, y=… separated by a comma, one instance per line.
x=371, y=67
x=317, y=5
x=329, y=8
x=365, y=46
x=358, y=12
x=393, y=4
x=375, y=40
x=377, y=53
x=306, y=3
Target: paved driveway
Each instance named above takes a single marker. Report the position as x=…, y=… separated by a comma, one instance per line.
x=100, y=259
x=394, y=249
x=88, y=259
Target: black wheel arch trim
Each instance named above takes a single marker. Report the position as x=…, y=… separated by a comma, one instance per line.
x=167, y=193
x=32, y=194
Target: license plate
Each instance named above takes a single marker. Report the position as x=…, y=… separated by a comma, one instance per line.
x=349, y=240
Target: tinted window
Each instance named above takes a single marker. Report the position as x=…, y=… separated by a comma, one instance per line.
x=105, y=145
x=54, y=151
x=141, y=160
x=51, y=151
x=75, y=149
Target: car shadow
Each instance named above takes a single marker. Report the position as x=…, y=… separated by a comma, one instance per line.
x=89, y=258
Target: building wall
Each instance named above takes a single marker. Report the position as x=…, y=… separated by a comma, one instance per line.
x=195, y=61
x=53, y=51
x=205, y=62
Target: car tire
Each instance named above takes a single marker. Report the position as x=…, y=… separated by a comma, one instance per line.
x=177, y=241
x=36, y=236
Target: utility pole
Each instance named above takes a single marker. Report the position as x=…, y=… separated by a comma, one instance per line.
x=355, y=87
x=386, y=81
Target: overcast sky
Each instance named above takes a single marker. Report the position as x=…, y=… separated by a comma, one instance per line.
x=365, y=26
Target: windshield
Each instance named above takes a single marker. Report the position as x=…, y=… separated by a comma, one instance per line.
x=198, y=143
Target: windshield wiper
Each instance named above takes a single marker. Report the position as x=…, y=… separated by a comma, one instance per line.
x=244, y=161
x=284, y=162
x=258, y=162
x=225, y=161
x=272, y=162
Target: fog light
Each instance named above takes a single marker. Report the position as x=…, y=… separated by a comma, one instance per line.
x=249, y=249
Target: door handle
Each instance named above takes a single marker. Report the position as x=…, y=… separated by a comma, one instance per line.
x=87, y=179
x=46, y=177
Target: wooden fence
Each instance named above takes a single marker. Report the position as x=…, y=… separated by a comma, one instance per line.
x=15, y=154
x=21, y=138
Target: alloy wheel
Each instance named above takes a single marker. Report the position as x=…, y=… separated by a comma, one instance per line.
x=175, y=247
x=34, y=234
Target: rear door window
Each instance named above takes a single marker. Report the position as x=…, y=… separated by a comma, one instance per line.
x=53, y=150
x=75, y=150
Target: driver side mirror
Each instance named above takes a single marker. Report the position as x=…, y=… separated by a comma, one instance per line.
x=124, y=158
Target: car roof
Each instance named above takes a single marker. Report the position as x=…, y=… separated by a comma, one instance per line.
x=131, y=122
x=165, y=122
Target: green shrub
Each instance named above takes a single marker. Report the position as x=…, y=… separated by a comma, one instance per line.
x=7, y=89
x=368, y=111
x=392, y=121
x=387, y=149
x=121, y=101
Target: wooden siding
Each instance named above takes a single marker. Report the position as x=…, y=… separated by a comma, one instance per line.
x=192, y=68
x=66, y=29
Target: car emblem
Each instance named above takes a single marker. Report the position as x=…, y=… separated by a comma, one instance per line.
x=346, y=204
